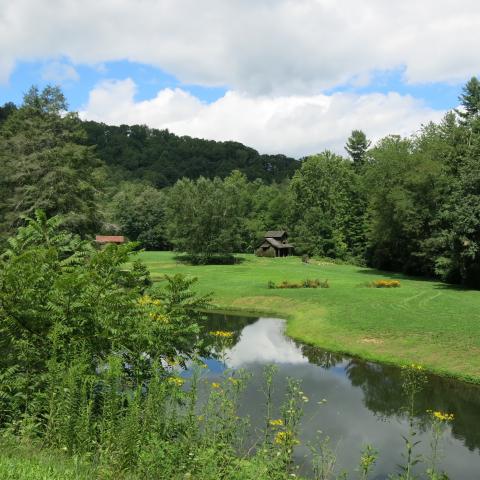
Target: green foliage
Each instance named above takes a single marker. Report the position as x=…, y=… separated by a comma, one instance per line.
x=5, y=111
x=357, y=146
x=326, y=207
x=29, y=462
x=162, y=158
x=60, y=297
x=203, y=218
x=138, y=212
x=423, y=214
x=308, y=283
x=45, y=166
x=470, y=99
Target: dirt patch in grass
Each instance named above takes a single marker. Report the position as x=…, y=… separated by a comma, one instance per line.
x=372, y=340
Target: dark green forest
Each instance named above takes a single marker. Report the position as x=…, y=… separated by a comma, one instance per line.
x=161, y=158
x=404, y=204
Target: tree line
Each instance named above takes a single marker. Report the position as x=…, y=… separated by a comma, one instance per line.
x=409, y=204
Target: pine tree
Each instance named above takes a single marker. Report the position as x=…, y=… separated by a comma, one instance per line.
x=357, y=146
x=470, y=99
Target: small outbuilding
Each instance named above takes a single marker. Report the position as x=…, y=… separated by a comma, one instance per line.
x=104, y=239
x=275, y=244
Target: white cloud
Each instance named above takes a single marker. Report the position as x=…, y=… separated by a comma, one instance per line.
x=295, y=125
x=259, y=46
x=264, y=342
x=59, y=72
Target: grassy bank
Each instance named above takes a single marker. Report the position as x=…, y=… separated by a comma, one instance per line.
x=26, y=462
x=423, y=321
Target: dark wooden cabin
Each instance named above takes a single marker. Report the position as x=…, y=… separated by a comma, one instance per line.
x=275, y=244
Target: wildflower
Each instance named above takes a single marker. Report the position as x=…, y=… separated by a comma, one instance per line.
x=147, y=300
x=413, y=366
x=233, y=381
x=305, y=398
x=177, y=381
x=442, y=416
x=222, y=334
x=282, y=438
x=158, y=317
x=386, y=283
x=215, y=385
x=276, y=423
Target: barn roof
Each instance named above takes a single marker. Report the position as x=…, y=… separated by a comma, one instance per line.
x=110, y=239
x=277, y=244
x=275, y=234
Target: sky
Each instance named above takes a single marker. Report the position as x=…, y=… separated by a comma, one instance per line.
x=283, y=76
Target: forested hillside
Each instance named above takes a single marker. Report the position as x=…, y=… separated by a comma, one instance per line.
x=162, y=158
x=405, y=204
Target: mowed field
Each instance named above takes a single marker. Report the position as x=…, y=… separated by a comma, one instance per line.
x=424, y=322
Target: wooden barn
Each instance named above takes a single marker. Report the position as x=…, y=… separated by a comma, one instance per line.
x=275, y=244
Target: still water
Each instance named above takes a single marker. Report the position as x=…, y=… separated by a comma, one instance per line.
x=364, y=399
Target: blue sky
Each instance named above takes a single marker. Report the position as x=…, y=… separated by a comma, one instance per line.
x=150, y=79
x=282, y=76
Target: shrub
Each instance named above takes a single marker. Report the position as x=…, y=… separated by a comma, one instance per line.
x=287, y=284
x=385, y=284
x=218, y=259
x=302, y=284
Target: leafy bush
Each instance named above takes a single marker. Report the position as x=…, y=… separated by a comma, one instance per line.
x=287, y=284
x=385, y=284
x=218, y=259
x=302, y=284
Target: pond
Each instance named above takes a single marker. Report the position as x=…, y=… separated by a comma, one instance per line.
x=364, y=400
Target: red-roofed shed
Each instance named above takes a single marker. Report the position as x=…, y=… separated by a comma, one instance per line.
x=104, y=239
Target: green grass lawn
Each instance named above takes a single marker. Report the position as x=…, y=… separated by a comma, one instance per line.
x=425, y=322
x=25, y=462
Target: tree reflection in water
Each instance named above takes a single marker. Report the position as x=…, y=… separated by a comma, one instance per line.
x=381, y=384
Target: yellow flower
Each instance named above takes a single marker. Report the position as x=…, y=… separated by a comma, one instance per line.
x=276, y=423
x=413, y=366
x=386, y=283
x=159, y=317
x=222, y=334
x=282, y=438
x=147, y=300
x=215, y=385
x=233, y=381
x=442, y=416
x=176, y=381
